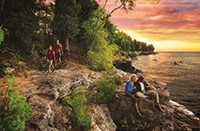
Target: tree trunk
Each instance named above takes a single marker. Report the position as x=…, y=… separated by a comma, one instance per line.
x=67, y=44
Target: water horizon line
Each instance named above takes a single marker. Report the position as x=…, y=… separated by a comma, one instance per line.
x=177, y=51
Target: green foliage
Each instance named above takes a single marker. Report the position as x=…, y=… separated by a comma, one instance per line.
x=66, y=21
x=80, y=111
x=117, y=79
x=106, y=89
x=100, y=53
x=151, y=47
x=38, y=59
x=19, y=20
x=8, y=59
x=1, y=35
x=86, y=7
x=101, y=57
x=126, y=43
x=34, y=55
x=14, y=110
x=79, y=22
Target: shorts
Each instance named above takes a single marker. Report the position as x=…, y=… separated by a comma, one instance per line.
x=58, y=56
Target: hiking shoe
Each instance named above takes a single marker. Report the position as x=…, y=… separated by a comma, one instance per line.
x=139, y=114
x=158, y=107
x=53, y=69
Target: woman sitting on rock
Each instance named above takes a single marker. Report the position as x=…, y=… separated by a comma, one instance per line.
x=143, y=89
x=130, y=90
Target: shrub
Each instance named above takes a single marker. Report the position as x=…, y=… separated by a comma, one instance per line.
x=117, y=79
x=106, y=89
x=100, y=52
x=1, y=35
x=38, y=58
x=9, y=60
x=80, y=111
x=14, y=110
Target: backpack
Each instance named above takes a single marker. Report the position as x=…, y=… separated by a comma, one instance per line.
x=58, y=48
x=51, y=55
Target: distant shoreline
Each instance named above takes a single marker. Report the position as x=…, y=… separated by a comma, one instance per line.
x=178, y=51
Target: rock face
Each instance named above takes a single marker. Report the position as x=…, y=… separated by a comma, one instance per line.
x=173, y=117
x=125, y=117
x=184, y=120
x=132, y=54
x=46, y=91
x=43, y=92
x=102, y=120
x=126, y=65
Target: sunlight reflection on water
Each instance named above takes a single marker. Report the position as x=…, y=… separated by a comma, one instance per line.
x=182, y=79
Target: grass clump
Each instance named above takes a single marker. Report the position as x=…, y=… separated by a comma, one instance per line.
x=106, y=90
x=14, y=110
x=80, y=111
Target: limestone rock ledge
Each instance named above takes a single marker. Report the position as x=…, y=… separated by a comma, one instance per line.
x=173, y=117
x=102, y=120
x=43, y=92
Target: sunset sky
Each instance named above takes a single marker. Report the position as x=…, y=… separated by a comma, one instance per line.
x=170, y=25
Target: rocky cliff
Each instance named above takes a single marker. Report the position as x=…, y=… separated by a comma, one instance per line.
x=44, y=93
x=173, y=116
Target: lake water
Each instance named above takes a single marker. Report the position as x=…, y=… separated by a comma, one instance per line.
x=183, y=79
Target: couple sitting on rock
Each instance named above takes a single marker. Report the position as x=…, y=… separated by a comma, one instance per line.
x=138, y=88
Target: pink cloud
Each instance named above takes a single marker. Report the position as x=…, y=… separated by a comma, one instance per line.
x=156, y=14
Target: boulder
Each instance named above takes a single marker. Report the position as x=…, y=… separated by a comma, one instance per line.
x=184, y=119
x=126, y=65
x=125, y=117
x=102, y=120
x=173, y=116
x=8, y=70
x=132, y=54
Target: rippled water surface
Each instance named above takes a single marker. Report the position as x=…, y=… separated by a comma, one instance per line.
x=183, y=79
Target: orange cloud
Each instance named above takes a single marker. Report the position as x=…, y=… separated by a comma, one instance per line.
x=161, y=21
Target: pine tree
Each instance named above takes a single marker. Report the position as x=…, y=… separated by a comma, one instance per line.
x=65, y=24
x=19, y=20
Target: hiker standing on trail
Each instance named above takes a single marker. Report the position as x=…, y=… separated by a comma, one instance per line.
x=58, y=50
x=51, y=58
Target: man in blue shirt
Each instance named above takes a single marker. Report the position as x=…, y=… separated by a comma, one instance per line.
x=129, y=91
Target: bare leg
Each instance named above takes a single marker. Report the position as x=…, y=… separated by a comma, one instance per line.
x=50, y=65
x=135, y=103
x=137, y=109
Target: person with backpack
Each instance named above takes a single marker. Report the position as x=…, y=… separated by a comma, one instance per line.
x=58, y=50
x=51, y=58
